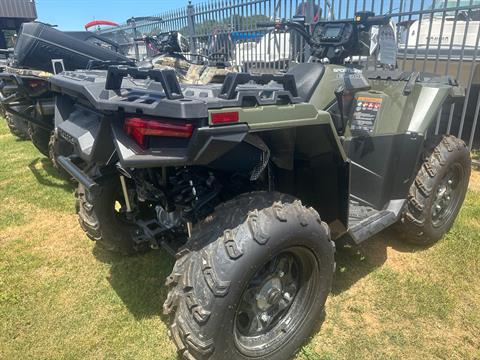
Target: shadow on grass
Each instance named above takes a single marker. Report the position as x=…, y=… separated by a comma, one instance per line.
x=356, y=262
x=139, y=280
x=50, y=170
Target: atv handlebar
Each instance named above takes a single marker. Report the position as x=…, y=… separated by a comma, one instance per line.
x=266, y=24
x=364, y=19
x=289, y=25
x=377, y=20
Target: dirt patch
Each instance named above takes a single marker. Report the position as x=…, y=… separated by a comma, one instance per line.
x=49, y=230
x=475, y=181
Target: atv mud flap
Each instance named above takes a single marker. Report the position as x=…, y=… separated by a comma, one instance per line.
x=89, y=134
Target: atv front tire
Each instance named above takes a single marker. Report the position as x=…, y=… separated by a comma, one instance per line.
x=252, y=281
x=18, y=126
x=40, y=138
x=437, y=194
x=103, y=222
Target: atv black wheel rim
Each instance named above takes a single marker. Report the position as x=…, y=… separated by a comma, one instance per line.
x=276, y=301
x=447, y=196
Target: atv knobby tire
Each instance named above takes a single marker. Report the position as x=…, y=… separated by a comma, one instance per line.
x=420, y=225
x=40, y=138
x=54, y=150
x=18, y=126
x=100, y=220
x=226, y=251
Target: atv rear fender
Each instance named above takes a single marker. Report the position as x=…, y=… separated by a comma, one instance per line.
x=429, y=100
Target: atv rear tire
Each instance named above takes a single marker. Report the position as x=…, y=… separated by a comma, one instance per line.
x=437, y=194
x=102, y=222
x=234, y=294
x=18, y=126
x=40, y=138
x=54, y=150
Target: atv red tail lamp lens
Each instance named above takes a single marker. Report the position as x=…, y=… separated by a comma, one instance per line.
x=225, y=117
x=141, y=127
x=36, y=84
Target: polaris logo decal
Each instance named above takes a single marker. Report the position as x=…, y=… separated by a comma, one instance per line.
x=347, y=71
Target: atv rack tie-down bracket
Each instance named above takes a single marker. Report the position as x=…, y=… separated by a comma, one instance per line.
x=166, y=77
x=105, y=64
x=232, y=80
x=412, y=79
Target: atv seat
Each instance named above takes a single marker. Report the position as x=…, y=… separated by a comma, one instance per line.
x=307, y=76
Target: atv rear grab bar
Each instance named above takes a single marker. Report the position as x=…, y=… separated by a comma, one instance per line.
x=166, y=77
x=232, y=80
x=105, y=64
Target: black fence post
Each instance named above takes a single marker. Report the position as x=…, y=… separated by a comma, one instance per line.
x=191, y=26
x=135, y=36
x=309, y=19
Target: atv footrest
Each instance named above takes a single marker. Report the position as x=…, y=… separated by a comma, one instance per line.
x=372, y=225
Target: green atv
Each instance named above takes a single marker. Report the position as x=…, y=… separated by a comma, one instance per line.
x=249, y=183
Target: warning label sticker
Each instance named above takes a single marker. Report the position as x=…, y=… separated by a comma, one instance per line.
x=365, y=113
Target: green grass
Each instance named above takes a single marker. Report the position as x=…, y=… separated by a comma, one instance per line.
x=476, y=154
x=61, y=297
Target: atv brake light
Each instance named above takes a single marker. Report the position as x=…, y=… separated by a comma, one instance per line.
x=36, y=84
x=225, y=117
x=141, y=127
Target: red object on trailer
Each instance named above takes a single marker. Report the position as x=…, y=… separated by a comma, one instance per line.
x=100, y=22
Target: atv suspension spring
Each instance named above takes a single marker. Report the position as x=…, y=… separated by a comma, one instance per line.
x=125, y=194
x=193, y=190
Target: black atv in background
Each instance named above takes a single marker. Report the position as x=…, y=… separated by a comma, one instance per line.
x=17, y=125
x=251, y=181
x=40, y=52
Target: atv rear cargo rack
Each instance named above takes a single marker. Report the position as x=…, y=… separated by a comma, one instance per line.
x=157, y=92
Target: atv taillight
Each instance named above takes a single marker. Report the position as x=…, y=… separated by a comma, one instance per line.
x=141, y=127
x=225, y=117
x=36, y=84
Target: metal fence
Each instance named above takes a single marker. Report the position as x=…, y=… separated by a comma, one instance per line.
x=436, y=36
